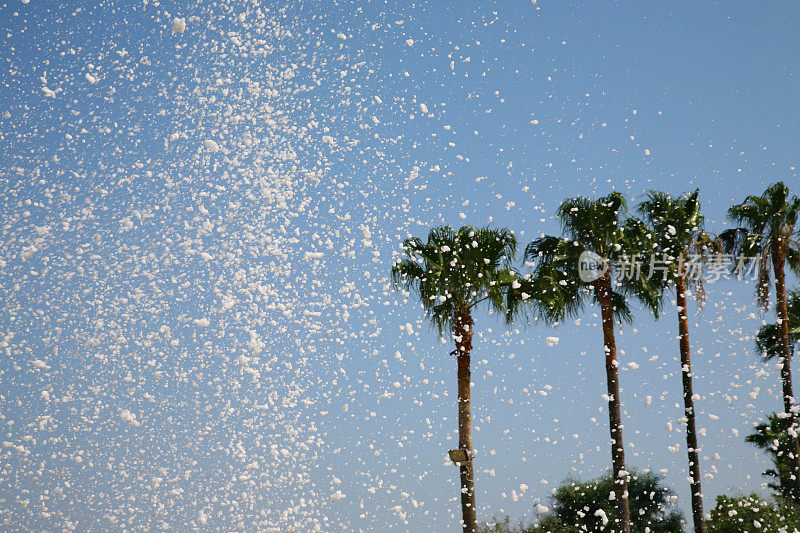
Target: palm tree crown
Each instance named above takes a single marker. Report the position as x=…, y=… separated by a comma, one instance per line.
x=767, y=225
x=457, y=270
x=680, y=236
x=596, y=226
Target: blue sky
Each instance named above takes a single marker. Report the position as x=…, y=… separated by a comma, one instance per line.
x=285, y=372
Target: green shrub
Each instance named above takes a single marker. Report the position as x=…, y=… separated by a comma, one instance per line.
x=584, y=506
x=752, y=514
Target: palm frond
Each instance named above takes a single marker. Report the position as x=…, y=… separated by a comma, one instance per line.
x=556, y=288
x=593, y=223
x=768, y=338
x=619, y=304
x=768, y=342
x=793, y=256
x=733, y=240
x=678, y=227
x=638, y=240
x=753, y=214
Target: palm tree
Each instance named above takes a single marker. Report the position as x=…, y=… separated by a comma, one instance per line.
x=766, y=235
x=454, y=273
x=683, y=245
x=569, y=271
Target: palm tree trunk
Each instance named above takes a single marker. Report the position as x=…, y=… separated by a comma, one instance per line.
x=463, y=333
x=778, y=258
x=603, y=289
x=688, y=402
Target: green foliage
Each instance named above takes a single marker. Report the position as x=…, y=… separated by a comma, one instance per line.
x=597, y=226
x=676, y=222
x=457, y=270
x=768, y=338
x=504, y=525
x=680, y=236
x=581, y=506
x=765, y=223
x=577, y=505
x=772, y=436
x=750, y=514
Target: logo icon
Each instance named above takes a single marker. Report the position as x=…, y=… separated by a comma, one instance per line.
x=591, y=266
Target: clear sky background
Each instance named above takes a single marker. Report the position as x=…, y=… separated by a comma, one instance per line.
x=197, y=230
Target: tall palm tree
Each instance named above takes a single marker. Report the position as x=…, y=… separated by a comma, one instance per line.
x=683, y=245
x=454, y=273
x=767, y=234
x=567, y=272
